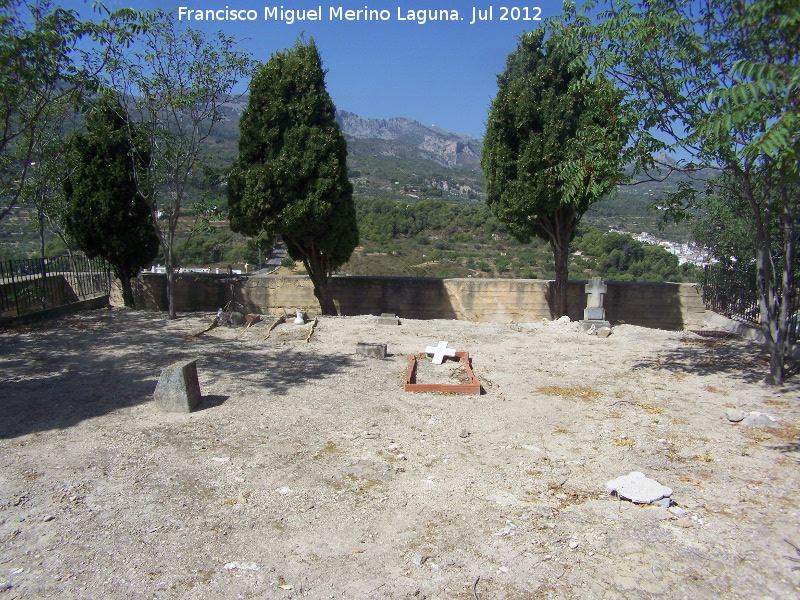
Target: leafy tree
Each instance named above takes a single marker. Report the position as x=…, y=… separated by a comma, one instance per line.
x=719, y=81
x=291, y=175
x=106, y=215
x=550, y=150
x=174, y=82
x=43, y=65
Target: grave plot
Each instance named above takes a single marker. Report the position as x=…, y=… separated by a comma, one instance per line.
x=453, y=376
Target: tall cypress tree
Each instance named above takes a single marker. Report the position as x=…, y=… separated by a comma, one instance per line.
x=551, y=149
x=106, y=216
x=291, y=175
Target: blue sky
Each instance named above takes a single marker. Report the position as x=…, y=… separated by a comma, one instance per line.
x=441, y=73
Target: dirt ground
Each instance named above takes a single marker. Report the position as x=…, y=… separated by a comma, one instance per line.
x=307, y=471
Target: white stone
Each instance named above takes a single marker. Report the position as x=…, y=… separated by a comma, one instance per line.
x=439, y=352
x=637, y=488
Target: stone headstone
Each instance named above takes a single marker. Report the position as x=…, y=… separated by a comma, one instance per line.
x=594, y=302
x=387, y=319
x=178, y=389
x=371, y=350
x=637, y=488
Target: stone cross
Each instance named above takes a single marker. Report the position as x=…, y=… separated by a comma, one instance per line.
x=594, y=302
x=439, y=352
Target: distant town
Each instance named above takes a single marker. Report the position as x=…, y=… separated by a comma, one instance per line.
x=687, y=253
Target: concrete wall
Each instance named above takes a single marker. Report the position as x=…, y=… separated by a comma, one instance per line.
x=657, y=305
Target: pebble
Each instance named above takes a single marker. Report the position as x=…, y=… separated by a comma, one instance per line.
x=284, y=491
x=734, y=415
x=47, y=518
x=684, y=522
x=463, y=433
x=244, y=566
x=573, y=545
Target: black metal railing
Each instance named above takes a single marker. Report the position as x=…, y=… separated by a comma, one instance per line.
x=731, y=290
x=37, y=284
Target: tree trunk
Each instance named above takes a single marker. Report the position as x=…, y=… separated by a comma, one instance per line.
x=317, y=267
x=561, y=258
x=127, y=292
x=171, y=292
x=323, y=294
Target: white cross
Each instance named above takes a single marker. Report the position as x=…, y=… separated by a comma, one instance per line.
x=439, y=352
x=595, y=288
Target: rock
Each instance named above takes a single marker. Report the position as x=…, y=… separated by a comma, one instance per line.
x=604, y=332
x=47, y=518
x=463, y=433
x=178, y=389
x=284, y=491
x=759, y=419
x=371, y=350
x=637, y=488
x=664, y=502
x=573, y=545
x=244, y=566
x=564, y=319
x=734, y=415
x=237, y=318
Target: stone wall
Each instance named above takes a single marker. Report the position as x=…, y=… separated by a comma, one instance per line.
x=658, y=305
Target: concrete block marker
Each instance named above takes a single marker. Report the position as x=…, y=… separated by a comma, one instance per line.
x=371, y=350
x=178, y=389
x=387, y=319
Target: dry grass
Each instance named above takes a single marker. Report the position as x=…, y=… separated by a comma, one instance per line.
x=582, y=393
x=624, y=442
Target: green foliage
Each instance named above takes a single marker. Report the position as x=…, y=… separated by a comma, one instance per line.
x=173, y=82
x=619, y=257
x=291, y=175
x=42, y=64
x=719, y=81
x=287, y=262
x=551, y=149
x=106, y=216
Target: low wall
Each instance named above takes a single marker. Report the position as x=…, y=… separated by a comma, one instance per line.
x=657, y=305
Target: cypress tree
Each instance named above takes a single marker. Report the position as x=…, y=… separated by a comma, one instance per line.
x=106, y=216
x=551, y=149
x=291, y=175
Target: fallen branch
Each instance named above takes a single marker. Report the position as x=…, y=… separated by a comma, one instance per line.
x=277, y=322
x=311, y=331
x=197, y=334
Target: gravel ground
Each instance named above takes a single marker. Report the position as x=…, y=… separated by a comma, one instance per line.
x=307, y=471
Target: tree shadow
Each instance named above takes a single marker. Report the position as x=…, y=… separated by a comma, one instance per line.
x=211, y=401
x=57, y=374
x=735, y=358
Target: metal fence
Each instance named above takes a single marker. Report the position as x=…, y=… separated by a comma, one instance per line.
x=37, y=284
x=732, y=291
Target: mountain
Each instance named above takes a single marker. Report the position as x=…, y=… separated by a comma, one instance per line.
x=404, y=137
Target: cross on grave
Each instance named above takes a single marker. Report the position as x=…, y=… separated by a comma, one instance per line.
x=439, y=352
x=594, y=302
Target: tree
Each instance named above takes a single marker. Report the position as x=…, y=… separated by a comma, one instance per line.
x=550, y=150
x=106, y=215
x=718, y=81
x=42, y=65
x=291, y=175
x=173, y=82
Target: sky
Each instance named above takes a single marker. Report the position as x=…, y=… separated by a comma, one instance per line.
x=440, y=73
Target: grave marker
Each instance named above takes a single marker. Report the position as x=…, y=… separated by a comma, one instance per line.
x=439, y=352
